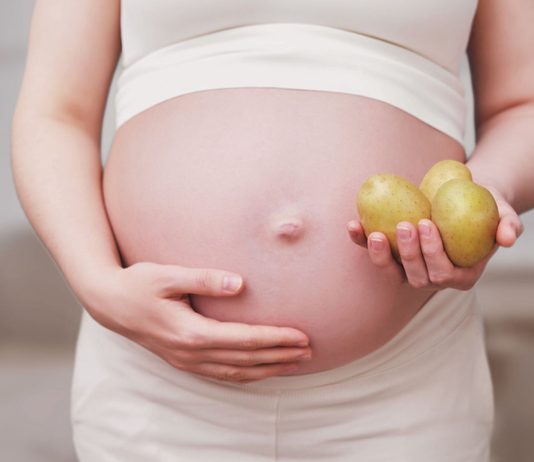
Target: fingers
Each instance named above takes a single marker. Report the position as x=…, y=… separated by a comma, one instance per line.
x=198, y=332
x=170, y=328
x=357, y=233
x=225, y=350
x=242, y=374
x=510, y=226
x=195, y=332
x=380, y=255
x=241, y=336
x=203, y=281
x=380, y=252
x=425, y=264
x=254, y=357
x=411, y=256
x=509, y=229
x=440, y=269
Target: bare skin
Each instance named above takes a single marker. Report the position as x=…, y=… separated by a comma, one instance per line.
x=267, y=194
x=57, y=170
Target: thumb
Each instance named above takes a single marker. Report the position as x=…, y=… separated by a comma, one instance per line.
x=509, y=228
x=202, y=281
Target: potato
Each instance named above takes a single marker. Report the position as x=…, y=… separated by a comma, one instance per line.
x=384, y=200
x=440, y=173
x=467, y=217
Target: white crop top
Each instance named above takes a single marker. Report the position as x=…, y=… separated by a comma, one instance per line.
x=404, y=52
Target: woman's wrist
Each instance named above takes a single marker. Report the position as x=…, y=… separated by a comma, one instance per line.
x=89, y=284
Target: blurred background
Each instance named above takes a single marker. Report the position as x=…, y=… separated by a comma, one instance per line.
x=39, y=316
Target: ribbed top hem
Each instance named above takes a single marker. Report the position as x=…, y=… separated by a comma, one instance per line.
x=296, y=56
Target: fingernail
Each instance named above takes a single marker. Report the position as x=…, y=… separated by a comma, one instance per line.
x=376, y=244
x=352, y=226
x=231, y=283
x=405, y=233
x=424, y=229
x=305, y=356
x=303, y=343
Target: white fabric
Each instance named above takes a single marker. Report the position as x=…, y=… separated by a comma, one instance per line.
x=408, y=56
x=426, y=395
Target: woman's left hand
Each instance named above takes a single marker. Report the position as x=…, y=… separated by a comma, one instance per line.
x=425, y=265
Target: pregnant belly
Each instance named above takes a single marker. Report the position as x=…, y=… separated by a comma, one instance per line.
x=262, y=182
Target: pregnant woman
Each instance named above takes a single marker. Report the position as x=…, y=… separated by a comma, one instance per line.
x=244, y=131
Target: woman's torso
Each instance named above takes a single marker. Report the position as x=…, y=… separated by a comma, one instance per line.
x=262, y=180
x=208, y=180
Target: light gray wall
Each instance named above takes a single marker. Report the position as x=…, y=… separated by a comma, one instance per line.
x=35, y=304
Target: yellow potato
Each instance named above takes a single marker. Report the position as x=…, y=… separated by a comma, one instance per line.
x=386, y=199
x=440, y=173
x=467, y=217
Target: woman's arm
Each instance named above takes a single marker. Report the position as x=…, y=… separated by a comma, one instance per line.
x=502, y=65
x=74, y=47
x=72, y=54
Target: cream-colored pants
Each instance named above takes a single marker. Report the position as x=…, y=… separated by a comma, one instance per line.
x=425, y=396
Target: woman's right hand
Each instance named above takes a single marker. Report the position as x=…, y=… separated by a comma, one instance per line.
x=148, y=304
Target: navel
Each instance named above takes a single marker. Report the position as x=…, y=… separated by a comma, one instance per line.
x=287, y=223
x=288, y=228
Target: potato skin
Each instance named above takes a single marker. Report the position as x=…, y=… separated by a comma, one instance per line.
x=386, y=199
x=467, y=217
x=440, y=173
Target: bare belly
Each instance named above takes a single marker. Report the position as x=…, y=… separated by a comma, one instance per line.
x=262, y=182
